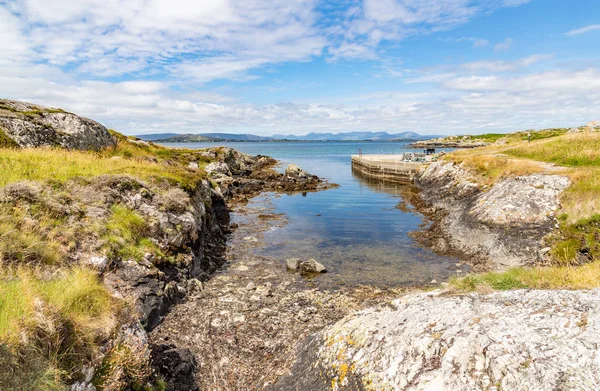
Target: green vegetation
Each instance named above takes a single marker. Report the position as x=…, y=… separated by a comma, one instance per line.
x=148, y=162
x=573, y=150
x=25, y=242
x=5, y=141
x=555, y=277
x=126, y=235
x=54, y=316
x=575, y=247
x=48, y=325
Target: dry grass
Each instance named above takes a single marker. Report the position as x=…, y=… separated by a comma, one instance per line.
x=60, y=165
x=556, y=277
x=571, y=150
x=49, y=323
x=578, y=240
x=54, y=317
x=577, y=154
x=490, y=168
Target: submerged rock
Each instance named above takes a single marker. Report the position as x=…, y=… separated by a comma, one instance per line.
x=517, y=340
x=311, y=266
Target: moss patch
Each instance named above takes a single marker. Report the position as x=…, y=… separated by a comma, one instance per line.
x=6, y=141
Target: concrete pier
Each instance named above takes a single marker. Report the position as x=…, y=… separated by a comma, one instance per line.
x=388, y=167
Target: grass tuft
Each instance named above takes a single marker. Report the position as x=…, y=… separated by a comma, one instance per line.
x=50, y=324
x=556, y=277
x=126, y=234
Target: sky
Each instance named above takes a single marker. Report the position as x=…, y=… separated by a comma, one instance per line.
x=300, y=66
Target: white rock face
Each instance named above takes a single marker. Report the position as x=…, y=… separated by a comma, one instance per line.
x=218, y=168
x=31, y=125
x=517, y=340
x=503, y=226
x=524, y=199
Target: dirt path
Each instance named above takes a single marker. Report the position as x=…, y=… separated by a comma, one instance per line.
x=244, y=324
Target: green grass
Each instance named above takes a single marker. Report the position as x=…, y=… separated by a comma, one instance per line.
x=126, y=235
x=576, y=156
x=5, y=141
x=556, y=277
x=510, y=138
x=54, y=316
x=49, y=324
x=573, y=150
x=60, y=165
x=24, y=243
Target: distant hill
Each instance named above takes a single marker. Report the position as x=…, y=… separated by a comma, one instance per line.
x=158, y=136
x=348, y=136
x=352, y=136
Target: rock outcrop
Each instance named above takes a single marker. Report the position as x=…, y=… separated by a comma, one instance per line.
x=518, y=340
x=240, y=176
x=499, y=227
x=28, y=125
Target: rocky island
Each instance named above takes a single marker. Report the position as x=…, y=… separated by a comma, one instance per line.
x=121, y=269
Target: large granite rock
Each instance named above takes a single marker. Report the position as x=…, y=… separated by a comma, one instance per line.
x=29, y=125
x=498, y=227
x=531, y=199
x=517, y=340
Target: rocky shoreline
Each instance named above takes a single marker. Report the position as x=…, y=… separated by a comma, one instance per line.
x=489, y=228
x=244, y=323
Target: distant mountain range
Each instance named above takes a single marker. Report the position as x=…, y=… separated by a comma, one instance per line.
x=348, y=136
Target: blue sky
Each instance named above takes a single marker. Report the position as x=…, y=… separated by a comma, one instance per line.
x=300, y=66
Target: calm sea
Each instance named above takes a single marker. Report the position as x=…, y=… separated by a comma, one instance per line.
x=357, y=230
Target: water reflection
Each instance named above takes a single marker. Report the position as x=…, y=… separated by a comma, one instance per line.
x=357, y=230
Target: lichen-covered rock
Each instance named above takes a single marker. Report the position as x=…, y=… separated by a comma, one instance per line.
x=30, y=125
x=531, y=199
x=218, y=168
x=517, y=340
x=499, y=228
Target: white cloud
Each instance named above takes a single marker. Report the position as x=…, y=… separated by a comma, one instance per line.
x=504, y=45
x=583, y=30
x=114, y=37
x=505, y=66
x=477, y=42
x=556, y=81
x=393, y=20
x=515, y=3
x=70, y=54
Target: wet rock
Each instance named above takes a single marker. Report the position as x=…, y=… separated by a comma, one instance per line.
x=429, y=341
x=295, y=172
x=177, y=367
x=311, y=267
x=292, y=264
